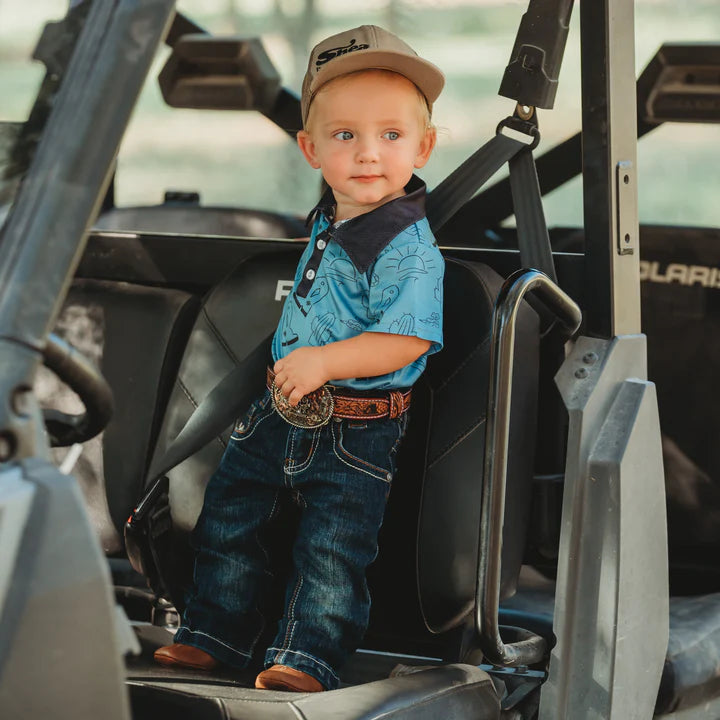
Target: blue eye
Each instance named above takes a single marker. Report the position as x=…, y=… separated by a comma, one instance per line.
x=343, y=135
x=391, y=135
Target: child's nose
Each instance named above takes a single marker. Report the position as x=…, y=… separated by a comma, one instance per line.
x=367, y=151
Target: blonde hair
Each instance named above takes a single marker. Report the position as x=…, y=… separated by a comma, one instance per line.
x=426, y=109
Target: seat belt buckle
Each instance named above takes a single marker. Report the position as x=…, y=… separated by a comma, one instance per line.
x=521, y=130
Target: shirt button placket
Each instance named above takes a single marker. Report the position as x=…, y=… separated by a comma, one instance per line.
x=313, y=263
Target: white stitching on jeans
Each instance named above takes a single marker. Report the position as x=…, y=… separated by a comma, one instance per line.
x=255, y=427
x=382, y=478
x=219, y=642
x=291, y=613
x=289, y=461
x=257, y=532
x=315, y=442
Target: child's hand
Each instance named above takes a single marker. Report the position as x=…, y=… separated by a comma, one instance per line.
x=300, y=372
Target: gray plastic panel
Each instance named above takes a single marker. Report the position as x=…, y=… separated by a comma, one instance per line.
x=611, y=608
x=16, y=497
x=59, y=653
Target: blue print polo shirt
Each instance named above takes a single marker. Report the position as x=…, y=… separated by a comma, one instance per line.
x=378, y=272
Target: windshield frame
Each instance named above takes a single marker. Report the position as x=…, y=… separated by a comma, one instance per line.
x=44, y=234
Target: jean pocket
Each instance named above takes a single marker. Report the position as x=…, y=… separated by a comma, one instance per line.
x=256, y=413
x=370, y=448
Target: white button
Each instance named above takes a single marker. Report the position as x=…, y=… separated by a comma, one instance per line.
x=310, y=274
x=321, y=244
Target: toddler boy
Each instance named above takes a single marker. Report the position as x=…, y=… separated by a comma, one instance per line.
x=364, y=313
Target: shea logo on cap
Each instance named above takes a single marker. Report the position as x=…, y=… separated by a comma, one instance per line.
x=326, y=55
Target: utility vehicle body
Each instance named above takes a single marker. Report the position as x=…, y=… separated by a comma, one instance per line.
x=458, y=630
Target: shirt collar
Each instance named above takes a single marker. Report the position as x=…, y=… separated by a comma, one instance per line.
x=365, y=236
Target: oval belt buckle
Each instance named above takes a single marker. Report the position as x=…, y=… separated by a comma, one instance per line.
x=313, y=410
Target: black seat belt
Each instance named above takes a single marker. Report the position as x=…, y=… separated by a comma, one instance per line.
x=532, y=232
x=221, y=407
x=444, y=200
x=217, y=411
x=456, y=189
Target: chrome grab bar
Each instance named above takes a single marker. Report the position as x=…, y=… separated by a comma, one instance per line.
x=487, y=595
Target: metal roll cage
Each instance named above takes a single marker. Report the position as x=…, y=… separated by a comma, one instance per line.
x=531, y=648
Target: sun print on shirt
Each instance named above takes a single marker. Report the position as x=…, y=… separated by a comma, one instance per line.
x=410, y=263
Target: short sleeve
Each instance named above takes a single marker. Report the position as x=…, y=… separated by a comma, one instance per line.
x=406, y=288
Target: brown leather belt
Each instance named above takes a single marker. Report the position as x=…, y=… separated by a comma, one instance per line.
x=350, y=406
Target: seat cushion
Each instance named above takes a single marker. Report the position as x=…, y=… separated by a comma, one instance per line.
x=691, y=675
x=449, y=691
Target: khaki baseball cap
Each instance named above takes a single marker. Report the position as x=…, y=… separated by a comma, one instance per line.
x=367, y=47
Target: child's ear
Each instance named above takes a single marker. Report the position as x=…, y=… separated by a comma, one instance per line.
x=307, y=146
x=426, y=147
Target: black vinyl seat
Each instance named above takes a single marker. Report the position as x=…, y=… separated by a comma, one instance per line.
x=136, y=335
x=448, y=692
x=423, y=581
x=431, y=521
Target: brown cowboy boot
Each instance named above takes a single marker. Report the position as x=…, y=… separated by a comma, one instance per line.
x=187, y=656
x=281, y=677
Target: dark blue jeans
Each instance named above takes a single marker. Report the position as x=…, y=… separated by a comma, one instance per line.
x=340, y=474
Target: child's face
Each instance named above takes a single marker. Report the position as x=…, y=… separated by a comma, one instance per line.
x=367, y=133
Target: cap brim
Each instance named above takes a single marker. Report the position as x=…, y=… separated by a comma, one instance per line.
x=428, y=78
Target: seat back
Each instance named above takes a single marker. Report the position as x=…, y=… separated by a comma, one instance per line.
x=429, y=539
x=450, y=511
x=136, y=335
x=236, y=316
x=423, y=582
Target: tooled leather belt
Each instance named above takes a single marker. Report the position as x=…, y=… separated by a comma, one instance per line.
x=317, y=407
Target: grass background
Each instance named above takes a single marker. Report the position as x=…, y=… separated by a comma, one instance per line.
x=241, y=159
